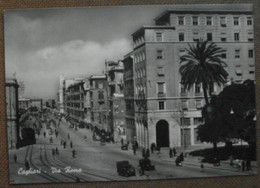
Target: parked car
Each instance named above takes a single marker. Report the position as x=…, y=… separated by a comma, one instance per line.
x=124, y=168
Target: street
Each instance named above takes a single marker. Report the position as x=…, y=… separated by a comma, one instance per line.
x=92, y=161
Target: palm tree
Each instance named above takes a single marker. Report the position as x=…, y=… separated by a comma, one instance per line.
x=203, y=65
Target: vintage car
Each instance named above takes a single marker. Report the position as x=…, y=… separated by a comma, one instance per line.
x=124, y=168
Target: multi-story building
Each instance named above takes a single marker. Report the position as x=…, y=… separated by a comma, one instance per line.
x=129, y=97
x=98, y=101
x=87, y=110
x=160, y=100
x=75, y=100
x=12, y=112
x=24, y=103
x=116, y=103
x=36, y=103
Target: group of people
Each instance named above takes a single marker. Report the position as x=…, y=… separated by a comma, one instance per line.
x=244, y=165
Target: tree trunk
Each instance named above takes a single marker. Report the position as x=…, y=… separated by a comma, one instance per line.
x=215, y=149
x=205, y=93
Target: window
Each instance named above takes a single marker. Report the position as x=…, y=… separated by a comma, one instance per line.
x=224, y=55
x=249, y=21
x=209, y=36
x=251, y=72
x=195, y=36
x=197, y=120
x=186, y=121
x=223, y=37
x=250, y=37
x=160, y=87
x=181, y=20
x=100, y=85
x=184, y=104
x=195, y=20
x=236, y=20
x=160, y=71
x=236, y=36
x=101, y=95
x=239, y=72
x=209, y=20
x=161, y=105
x=197, y=88
x=159, y=54
x=250, y=53
x=237, y=53
x=181, y=36
x=159, y=37
x=223, y=21
x=198, y=104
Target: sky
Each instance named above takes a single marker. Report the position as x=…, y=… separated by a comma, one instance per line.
x=41, y=44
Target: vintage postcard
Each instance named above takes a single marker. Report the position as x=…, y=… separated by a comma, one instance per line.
x=130, y=93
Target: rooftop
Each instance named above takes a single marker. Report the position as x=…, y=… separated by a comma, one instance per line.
x=208, y=8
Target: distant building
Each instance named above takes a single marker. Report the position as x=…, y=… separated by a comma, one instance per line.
x=129, y=93
x=116, y=103
x=98, y=101
x=12, y=112
x=75, y=102
x=87, y=109
x=24, y=103
x=36, y=103
x=160, y=99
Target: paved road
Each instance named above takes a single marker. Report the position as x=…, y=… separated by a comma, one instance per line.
x=95, y=162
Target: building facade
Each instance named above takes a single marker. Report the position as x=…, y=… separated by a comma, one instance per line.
x=12, y=112
x=129, y=98
x=116, y=103
x=165, y=114
x=75, y=99
x=98, y=101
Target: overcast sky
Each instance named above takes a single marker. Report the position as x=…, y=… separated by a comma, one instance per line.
x=41, y=44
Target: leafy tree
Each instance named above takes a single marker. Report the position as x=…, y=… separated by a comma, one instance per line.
x=203, y=65
x=231, y=115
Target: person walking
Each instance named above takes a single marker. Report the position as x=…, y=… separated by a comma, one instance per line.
x=71, y=146
x=152, y=147
x=26, y=164
x=15, y=158
x=64, y=144
x=170, y=153
x=181, y=157
x=44, y=134
x=134, y=149
x=57, y=151
x=174, y=151
x=73, y=153
x=201, y=167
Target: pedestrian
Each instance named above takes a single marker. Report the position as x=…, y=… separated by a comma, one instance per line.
x=44, y=134
x=56, y=133
x=143, y=152
x=73, y=153
x=134, y=149
x=181, y=157
x=122, y=141
x=53, y=151
x=231, y=160
x=151, y=147
x=243, y=165
x=174, y=151
x=15, y=158
x=64, y=144
x=57, y=151
x=170, y=153
x=71, y=146
x=26, y=163
x=51, y=140
x=201, y=167
x=147, y=154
